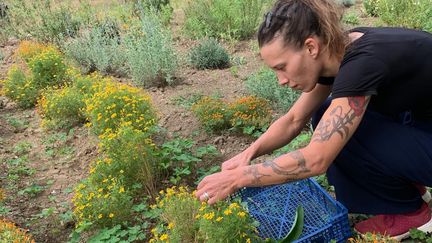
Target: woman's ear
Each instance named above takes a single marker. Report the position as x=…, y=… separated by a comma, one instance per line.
x=312, y=47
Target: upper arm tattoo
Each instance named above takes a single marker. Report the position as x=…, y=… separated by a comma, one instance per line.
x=338, y=121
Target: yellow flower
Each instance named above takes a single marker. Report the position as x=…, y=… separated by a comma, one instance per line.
x=227, y=212
x=114, y=115
x=121, y=189
x=248, y=240
x=241, y=214
x=219, y=219
x=197, y=216
x=209, y=216
x=164, y=237
x=234, y=206
x=170, y=225
x=100, y=216
x=111, y=215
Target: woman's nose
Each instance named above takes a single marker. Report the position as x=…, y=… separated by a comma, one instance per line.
x=281, y=78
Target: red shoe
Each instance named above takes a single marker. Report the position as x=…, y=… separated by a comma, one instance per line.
x=398, y=225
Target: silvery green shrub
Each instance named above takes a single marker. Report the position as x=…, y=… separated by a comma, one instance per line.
x=98, y=50
x=150, y=54
x=209, y=54
x=346, y=3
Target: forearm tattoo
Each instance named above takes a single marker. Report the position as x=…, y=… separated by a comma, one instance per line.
x=292, y=174
x=256, y=175
x=338, y=122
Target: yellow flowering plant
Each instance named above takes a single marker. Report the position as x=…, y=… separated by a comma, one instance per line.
x=370, y=237
x=114, y=104
x=185, y=219
x=250, y=114
x=178, y=209
x=88, y=85
x=48, y=68
x=61, y=108
x=226, y=222
x=212, y=113
x=132, y=153
x=101, y=202
x=10, y=233
x=20, y=88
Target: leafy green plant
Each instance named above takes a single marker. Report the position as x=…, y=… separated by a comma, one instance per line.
x=32, y=190
x=117, y=233
x=17, y=123
x=264, y=84
x=225, y=19
x=22, y=147
x=152, y=60
x=179, y=158
x=56, y=143
x=18, y=167
x=45, y=213
x=188, y=101
x=209, y=54
x=419, y=235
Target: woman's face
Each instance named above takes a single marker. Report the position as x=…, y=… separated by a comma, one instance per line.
x=297, y=68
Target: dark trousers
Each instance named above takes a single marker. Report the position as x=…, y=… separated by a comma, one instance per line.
x=376, y=171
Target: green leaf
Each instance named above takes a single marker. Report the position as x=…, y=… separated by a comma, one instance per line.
x=296, y=228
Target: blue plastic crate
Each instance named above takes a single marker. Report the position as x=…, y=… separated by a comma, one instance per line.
x=274, y=208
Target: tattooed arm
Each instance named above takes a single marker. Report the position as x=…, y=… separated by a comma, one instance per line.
x=332, y=133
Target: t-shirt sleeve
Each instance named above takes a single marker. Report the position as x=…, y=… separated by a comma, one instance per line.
x=326, y=80
x=361, y=76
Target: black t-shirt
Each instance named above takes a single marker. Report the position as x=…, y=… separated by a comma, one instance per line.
x=394, y=66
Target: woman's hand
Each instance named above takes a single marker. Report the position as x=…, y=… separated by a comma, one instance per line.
x=218, y=186
x=235, y=162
